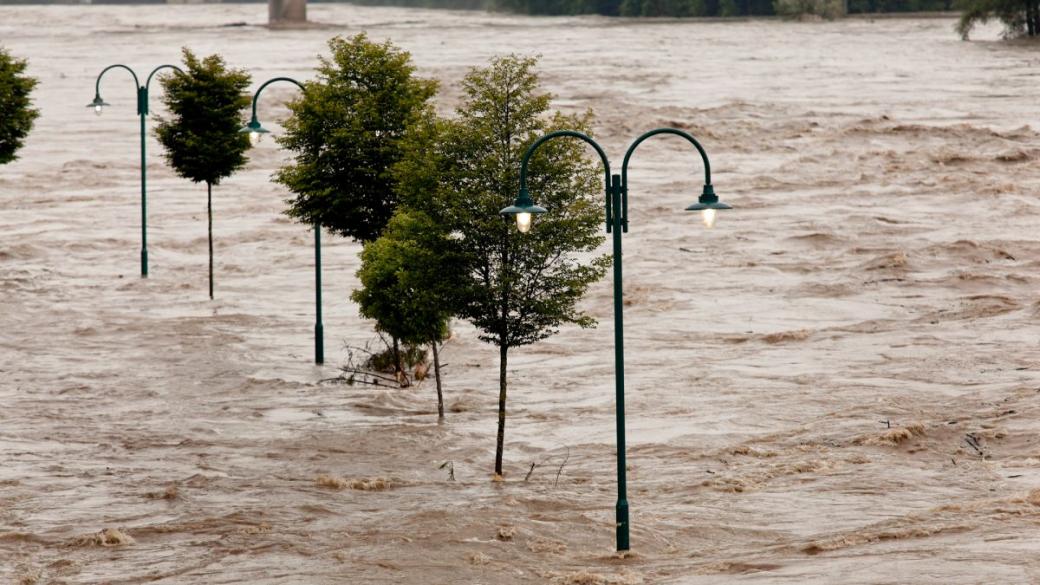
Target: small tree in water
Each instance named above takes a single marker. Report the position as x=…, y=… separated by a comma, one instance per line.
x=517, y=288
x=16, y=112
x=202, y=138
x=1020, y=17
x=408, y=278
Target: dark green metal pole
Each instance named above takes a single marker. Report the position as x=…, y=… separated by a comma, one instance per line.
x=617, y=223
x=209, y=214
x=142, y=111
x=144, y=204
x=619, y=366
x=319, y=329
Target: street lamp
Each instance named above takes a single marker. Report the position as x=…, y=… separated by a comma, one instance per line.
x=142, y=110
x=255, y=131
x=524, y=210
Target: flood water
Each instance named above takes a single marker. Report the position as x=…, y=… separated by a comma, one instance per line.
x=837, y=384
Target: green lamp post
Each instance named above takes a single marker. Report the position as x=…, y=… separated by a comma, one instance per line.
x=256, y=130
x=524, y=210
x=142, y=111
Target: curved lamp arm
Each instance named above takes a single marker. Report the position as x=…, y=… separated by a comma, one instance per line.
x=677, y=132
x=708, y=203
x=156, y=70
x=525, y=197
x=558, y=134
x=97, y=84
x=709, y=191
x=256, y=96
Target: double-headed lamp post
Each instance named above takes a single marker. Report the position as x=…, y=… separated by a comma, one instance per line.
x=256, y=130
x=524, y=210
x=142, y=111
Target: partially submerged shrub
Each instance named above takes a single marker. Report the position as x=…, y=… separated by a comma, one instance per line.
x=386, y=361
x=389, y=366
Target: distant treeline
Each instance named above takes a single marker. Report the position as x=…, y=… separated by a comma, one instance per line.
x=658, y=7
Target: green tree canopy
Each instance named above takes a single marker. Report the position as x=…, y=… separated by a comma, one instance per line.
x=201, y=137
x=345, y=134
x=16, y=112
x=517, y=288
x=408, y=278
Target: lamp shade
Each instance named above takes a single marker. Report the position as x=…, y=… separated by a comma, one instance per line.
x=523, y=204
x=708, y=200
x=97, y=103
x=254, y=127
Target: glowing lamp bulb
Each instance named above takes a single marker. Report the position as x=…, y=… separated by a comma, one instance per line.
x=708, y=217
x=254, y=137
x=97, y=110
x=523, y=222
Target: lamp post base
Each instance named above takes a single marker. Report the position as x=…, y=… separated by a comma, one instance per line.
x=319, y=344
x=622, y=525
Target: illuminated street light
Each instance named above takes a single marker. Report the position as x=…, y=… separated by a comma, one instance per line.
x=142, y=110
x=524, y=210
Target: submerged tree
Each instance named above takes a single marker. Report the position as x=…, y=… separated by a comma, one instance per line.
x=345, y=135
x=517, y=288
x=202, y=138
x=1020, y=17
x=16, y=112
x=408, y=286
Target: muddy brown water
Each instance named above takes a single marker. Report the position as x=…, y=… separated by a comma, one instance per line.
x=837, y=384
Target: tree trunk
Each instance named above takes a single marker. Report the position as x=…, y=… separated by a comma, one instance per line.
x=209, y=212
x=503, y=353
x=398, y=370
x=437, y=375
